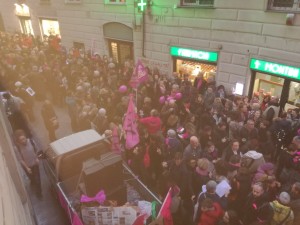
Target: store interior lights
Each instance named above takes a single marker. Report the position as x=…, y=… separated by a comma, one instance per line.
x=22, y=8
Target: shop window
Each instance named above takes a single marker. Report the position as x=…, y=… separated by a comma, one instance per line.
x=284, y=5
x=50, y=27
x=294, y=94
x=268, y=84
x=196, y=3
x=192, y=68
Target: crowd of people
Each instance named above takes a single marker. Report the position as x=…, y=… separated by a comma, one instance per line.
x=227, y=159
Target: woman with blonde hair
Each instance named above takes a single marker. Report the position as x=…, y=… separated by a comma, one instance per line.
x=203, y=174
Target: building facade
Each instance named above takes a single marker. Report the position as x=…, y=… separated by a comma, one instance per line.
x=247, y=46
x=15, y=203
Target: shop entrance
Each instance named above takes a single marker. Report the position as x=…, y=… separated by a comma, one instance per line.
x=286, y=90
x=183, y=66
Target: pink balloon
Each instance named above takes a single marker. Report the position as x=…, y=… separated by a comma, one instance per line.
x=123, y=88
x=162, y=100
x=178, y=96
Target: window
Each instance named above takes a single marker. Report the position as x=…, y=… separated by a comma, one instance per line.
x=73, y=1
x=284, y=5
x=115, y=1
x=197, y=2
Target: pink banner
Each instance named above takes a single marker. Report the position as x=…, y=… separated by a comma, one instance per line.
x=130, y=126
x=76, y=220
x=139, y=76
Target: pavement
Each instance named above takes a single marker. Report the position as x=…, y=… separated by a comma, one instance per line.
x=47, y=210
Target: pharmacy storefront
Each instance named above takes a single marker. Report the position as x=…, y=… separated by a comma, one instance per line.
x=276, y=79
x=192, y=61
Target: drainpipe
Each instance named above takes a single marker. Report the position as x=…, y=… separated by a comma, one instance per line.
x=144, y=33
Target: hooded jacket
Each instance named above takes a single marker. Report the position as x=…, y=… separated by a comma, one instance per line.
x=281, y=213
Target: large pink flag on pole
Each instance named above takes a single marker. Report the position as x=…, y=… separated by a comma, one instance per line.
x=139, y=76
x=130, y=126
x=165, y=210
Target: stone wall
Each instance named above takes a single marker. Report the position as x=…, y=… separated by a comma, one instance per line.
x=237, y=29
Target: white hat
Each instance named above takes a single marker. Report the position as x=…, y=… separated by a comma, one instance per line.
x=18, y=84
x=171, y=133
x=284, y=198
x=102, y=112
x=96, y=73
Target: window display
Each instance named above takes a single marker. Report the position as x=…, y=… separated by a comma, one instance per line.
x=193, y=68
x=50, y=27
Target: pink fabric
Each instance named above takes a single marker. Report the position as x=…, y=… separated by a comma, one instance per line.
x=100, y=198
x=153, y=124
x=139, y=76
x=76, y=220
x=130, y=126
x=141, y=72
x=165, y=211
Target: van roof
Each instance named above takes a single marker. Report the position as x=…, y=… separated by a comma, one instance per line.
x=75, y=141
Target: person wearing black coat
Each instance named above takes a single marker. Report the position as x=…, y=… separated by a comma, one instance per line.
x=255, y=203
x=49, y=116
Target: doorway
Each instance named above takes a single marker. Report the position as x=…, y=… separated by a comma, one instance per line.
x=120, y=51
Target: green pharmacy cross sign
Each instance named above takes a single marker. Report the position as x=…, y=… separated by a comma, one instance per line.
x=194, y=54
x=142, y=4
x=275, y=68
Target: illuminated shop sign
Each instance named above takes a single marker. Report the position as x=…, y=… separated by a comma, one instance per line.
x=275, y=68
x=194, y=54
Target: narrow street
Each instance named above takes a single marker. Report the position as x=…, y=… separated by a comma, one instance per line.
x=47, y=210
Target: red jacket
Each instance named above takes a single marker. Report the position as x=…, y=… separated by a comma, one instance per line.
x=152, y=123
x=211, y=217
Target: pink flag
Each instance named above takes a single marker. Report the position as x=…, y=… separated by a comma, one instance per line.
x=139, y=76
x=130, y=126
x=165, y=210
x=76, y=220
x=115, y=145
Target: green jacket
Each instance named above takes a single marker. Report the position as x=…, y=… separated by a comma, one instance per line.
x=280, y=214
